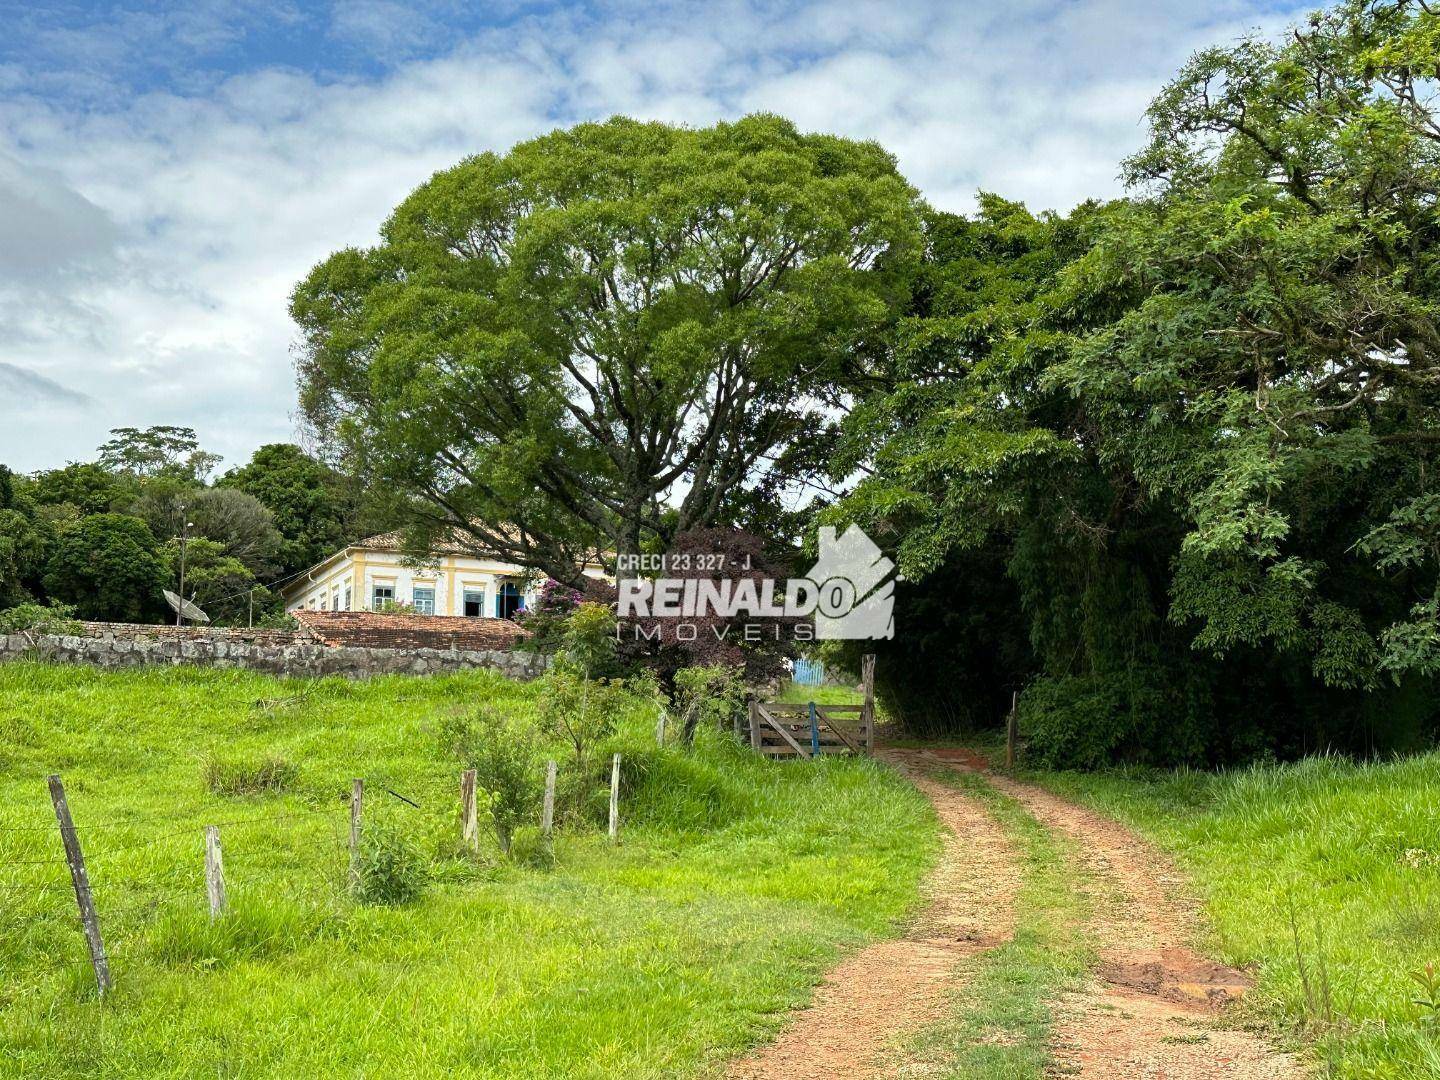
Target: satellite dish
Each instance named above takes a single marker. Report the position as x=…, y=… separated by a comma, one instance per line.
x=188, y=610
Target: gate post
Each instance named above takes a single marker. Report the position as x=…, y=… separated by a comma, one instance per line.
x=867, y=680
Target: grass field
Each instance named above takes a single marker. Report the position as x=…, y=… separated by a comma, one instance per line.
x=737, y=882
x=1324, y=876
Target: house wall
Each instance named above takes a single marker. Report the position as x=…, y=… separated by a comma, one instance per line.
x=360, y=571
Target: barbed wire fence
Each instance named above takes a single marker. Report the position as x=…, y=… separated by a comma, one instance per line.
x=92, y=870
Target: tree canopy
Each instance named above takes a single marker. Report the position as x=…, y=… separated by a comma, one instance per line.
x=549, y=344
x=1198, y=421
x=314, y=508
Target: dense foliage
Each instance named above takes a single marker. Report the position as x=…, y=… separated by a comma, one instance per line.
x=1195, y=426
x=1158, y=471
x=550, y=344
x=106, y=536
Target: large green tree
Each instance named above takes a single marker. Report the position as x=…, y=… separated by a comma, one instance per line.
x=25, y=542
x=314, y=508
x=110, y=567
x=550, y=346
x=90, y=488
x=1199, y=422
x=163, y=450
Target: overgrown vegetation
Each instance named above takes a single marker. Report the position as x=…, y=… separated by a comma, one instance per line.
x=655, y=958
x=105, y=537
x=1161, y=466
x=226, y=774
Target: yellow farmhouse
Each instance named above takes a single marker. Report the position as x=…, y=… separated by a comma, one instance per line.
x=373, y=573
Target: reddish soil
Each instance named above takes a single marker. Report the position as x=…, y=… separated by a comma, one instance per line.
x=1154, y=1011
x=1156, y=1008
x=896, y=987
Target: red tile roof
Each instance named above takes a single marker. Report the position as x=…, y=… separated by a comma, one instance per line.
x=369, y=629
x=454, y=542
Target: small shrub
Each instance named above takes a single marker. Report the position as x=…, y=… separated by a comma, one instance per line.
x=503, y=754
x=578, y=710
x=588, y=643
x=248, y=776
x=391, y=869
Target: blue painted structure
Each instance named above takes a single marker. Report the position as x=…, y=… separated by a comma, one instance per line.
x=809, y=672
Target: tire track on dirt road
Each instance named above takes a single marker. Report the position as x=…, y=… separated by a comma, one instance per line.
x=893, y=988
x=1154, y=1010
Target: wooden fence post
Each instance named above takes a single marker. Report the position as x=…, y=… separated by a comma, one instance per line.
x=754, y=723
x=660, y=728
x=80, y=879
x=547, y=812
x=357, y=800
x=214, y=871
x=867, y=681
x=615, y=800
x=469, y=813
x=1012, y=729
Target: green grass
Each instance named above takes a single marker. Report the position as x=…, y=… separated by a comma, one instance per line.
x=1000, y=1024
x=1324, y=877
x=737, y=882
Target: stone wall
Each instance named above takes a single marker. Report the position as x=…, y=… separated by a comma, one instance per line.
x=189, y=632
x=299, y=658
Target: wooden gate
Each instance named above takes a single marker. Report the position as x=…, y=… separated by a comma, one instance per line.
x=807, y=729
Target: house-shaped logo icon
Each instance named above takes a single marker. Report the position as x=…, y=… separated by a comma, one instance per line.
x=852, y=578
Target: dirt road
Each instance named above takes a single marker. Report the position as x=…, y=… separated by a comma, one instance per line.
x=1154, y=1009
x=893, y=988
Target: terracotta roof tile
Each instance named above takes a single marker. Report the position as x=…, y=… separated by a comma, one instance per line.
x=370, y=629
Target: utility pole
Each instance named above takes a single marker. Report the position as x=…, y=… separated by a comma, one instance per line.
x=184, y=538
x=250, y=621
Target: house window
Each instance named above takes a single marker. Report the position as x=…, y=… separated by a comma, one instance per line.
x=424, y=600
x=347, y=598
x=474, y=603
x=384, y=595
x=335, y=602
x=508, y=600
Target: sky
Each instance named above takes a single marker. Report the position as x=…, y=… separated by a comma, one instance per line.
x=168, y=172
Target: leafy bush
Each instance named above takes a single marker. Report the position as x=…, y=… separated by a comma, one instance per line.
x=503, y=754
x=39, y=619
x=390, y=869
x=248, y=776
x=547, y=620
x=588, y=643
x=1147, y=715
x=711, y=695
x=579, y=711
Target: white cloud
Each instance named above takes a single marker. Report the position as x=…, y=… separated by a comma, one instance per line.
x=147, y=259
